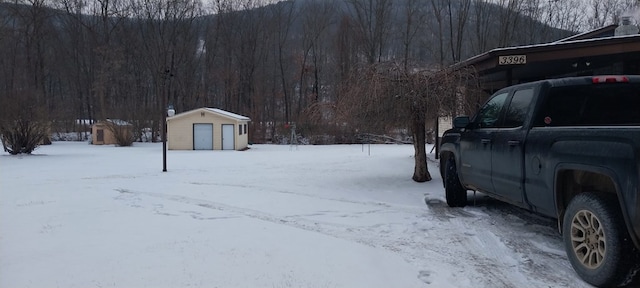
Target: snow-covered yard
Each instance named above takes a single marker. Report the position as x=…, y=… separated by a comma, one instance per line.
x=77, y=215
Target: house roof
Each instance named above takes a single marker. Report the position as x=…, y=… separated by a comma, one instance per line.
x=216, y=111
x=549, y=60
x=606, y=31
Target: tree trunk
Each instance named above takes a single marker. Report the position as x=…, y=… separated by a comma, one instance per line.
x=421, y=171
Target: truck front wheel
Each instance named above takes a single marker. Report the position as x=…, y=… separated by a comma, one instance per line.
x=596, y=240
x=455, y=193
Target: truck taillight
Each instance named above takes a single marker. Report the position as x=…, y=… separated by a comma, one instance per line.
x=609, y=79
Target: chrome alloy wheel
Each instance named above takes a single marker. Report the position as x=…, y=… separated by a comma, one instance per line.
x=588, y=240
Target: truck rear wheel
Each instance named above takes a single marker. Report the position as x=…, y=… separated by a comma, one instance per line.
x=596, y=240
x=455, y=193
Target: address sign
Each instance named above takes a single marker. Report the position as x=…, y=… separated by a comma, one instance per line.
x=512, y=60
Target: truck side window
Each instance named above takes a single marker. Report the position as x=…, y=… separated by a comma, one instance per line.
x=490, y=113
x=591, y=105
x=518, y=108
x=561, y=108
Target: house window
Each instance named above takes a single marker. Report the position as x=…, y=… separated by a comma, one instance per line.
x=100, y=135
x=245, y=128
x=239, y=129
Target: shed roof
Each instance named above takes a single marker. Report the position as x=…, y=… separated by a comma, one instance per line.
x=116, y=122
x=216, y=111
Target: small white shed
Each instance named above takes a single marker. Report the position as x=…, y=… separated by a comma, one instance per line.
x=207, y=129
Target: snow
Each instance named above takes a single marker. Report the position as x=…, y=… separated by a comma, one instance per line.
x=229, y=114
x=78, y=215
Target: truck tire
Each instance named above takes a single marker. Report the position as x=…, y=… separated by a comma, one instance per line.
x=596, y=240
x=455, y=193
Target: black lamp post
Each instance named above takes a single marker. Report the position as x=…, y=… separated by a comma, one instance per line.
x=170, y=112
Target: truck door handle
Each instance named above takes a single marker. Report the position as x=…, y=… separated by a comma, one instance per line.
x=513, y=142
x=485, y=141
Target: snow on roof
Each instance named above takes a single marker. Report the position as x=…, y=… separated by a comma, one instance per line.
x=84, y=121
x=119, y=122
x=212, y=110
x=229, y=114
x=565, y=42
x=592, y=33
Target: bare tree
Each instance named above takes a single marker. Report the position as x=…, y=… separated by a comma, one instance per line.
x=457, y=16
x=385, y=97
x=25, y=94
x=109, y=14
x=242, y=43
x=531, y=27
x=346, y=47
x=317, y=18
x=168, y=44
x=283, y=14
x=508, y=19
x=437, y=8
x=608, y=12
x=372, y=23
x=76, y=64
x=415, y=21
x=568, y=15
x=30, y=24
x=481, y=21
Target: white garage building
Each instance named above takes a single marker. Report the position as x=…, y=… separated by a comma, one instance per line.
x=207, y=129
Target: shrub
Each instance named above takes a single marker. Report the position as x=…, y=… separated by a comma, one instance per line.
x=24, y=123
x=23, y=135
x=122, y=132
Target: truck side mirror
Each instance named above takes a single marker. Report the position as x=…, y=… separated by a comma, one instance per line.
x=461, y=122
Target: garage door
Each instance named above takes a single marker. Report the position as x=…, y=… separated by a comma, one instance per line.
x=203, y=136
x=228, y=137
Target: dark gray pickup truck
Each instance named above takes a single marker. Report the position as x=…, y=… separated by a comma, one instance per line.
x=566, y=148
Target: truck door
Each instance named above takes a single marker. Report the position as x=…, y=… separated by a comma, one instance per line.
x=507, y=151
x=476, y=142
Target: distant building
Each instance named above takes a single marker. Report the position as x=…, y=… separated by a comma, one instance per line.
x=208, y=129
x=102, y=133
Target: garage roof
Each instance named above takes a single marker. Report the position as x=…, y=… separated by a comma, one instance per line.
x=216, y=111
x=229, y=114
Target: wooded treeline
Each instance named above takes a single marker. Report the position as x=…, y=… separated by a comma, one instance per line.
x=307, y=62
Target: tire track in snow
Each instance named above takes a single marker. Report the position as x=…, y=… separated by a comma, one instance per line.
x=502, y=245
x=455, y=241
x=343, y=200
x=299, y=223
x=447, y=237
x=469, y=245
x=375, y=236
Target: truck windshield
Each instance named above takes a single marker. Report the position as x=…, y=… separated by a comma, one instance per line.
x=591, y=105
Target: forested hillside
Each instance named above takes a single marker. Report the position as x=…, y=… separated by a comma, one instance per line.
x=287, y=62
